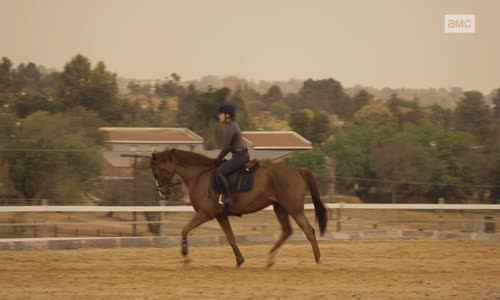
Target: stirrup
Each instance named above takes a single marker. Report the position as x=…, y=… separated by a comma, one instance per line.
x=230, y=203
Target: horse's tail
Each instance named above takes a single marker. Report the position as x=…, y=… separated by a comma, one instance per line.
x=319, y=207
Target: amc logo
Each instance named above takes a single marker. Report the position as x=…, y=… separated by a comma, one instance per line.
x=459, y=23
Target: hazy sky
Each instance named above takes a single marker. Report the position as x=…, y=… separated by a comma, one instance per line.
x=378, y=42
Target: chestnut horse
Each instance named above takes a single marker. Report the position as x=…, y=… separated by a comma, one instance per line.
x=279, y=185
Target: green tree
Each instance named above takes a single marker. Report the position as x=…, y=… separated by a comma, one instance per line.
x=95, y=89
x=61, y=176
x=496, y=106
x=77, y=121
x=361, y=99
x=59, y=155
x=272, y=95
x=25, y=105
x=27, y=77
x=5, y=75
x=7, y=128
x=280, y=109
x=376, y=112
x=401, y=160
x=300, y=122
x=473, y=114
x=320, y=128
x=327, y=95
x=442, y=117
x=496, y=117
x=314, y=161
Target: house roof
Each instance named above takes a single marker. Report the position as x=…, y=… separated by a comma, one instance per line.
x=151, y=135
x=276, y=140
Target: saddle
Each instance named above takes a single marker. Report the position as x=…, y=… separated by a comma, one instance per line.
x=241, y=180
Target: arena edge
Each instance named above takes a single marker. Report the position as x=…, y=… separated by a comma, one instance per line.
x=168, y=242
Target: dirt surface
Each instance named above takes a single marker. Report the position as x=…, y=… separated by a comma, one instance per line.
x=349, y=270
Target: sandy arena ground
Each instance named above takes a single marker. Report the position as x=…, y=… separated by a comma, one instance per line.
x=349, y=270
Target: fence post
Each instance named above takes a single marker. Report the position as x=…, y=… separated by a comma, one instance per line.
x=489, y=225
x=339, y=217
x=163, y=228
x=45, y=227
x=134, y=224
x=440, y=215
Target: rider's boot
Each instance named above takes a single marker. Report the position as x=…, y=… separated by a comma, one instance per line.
x=226, y=190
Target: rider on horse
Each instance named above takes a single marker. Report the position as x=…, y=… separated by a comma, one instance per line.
x=234, y=143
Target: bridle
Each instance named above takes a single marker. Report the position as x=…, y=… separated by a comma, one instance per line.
x=165, y=181
x=164, y=178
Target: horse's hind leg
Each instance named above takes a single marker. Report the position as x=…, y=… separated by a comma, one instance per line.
x=195, y=221
x=286, y=231
x=228, y=231
x=304, y=224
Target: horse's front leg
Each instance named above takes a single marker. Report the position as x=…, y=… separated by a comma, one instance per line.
x=228, y=231
x=196, y=221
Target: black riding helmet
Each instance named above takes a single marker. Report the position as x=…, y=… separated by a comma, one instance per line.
x=227, y=109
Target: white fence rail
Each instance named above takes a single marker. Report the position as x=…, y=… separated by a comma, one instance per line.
x=53, y=208
x=41, y=227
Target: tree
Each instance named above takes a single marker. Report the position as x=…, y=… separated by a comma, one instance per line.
x=94, y=89
x=300, y=121
x=320, y=128
x=496, y=117
x=442, y=117
x=496, y=106
x=27, y=78
x=272, y=95
x=175, y=77
x=25, y=105
x=139, y=89
x=74, y=82
x=454, y=160
x=361, y=99
x=280, y=109
x=472, y=113
x=314, y=161
x=7, y=128
x=67, y=160
x=401, y=160
x=376, y=112
x=351, y=149
x=327, y=95
x=5, y=75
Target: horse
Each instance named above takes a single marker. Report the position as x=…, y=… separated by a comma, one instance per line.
x=279, y=185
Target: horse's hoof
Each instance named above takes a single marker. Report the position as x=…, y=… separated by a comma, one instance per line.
x=239, y=262
x=187, y=261
x=184, y=248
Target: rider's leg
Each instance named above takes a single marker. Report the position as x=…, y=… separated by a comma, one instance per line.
x=237, y=161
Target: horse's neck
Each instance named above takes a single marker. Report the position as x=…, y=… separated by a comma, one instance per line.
x=190, y=171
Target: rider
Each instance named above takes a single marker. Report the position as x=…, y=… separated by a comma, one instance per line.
x=234, y=143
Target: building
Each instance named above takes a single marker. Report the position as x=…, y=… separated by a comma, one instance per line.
x=142, y=140
x=275, y=144
x=271, y=145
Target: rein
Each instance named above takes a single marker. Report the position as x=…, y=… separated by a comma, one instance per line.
x=166, y=195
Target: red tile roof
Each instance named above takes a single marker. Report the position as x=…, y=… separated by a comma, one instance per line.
x=276, y=140
x=151, y=135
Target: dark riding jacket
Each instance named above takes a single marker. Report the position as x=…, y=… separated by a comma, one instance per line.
x=233, y=141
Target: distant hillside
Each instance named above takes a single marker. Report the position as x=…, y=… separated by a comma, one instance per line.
x=445, y=97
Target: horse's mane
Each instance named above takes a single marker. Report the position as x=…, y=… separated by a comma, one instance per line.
x=187, y=157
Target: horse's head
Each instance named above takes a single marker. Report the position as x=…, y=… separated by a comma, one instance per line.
x=163, y=172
